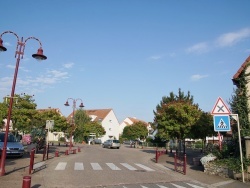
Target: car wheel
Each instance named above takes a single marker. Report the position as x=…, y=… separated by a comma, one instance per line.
x=103, y=145
x=118, y=147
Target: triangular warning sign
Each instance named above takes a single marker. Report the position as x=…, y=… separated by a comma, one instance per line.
x=220, y=107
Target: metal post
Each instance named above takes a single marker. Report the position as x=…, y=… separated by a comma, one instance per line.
x=18, y=54
x=32, y=155
x=185, y=164
x=175, y=161
x=48, y=152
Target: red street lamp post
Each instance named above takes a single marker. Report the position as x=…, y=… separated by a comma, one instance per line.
x=73, y=116
x=18, y=55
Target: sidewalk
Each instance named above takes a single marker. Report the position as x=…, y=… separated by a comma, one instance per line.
x=195, y=172
x=16, y=169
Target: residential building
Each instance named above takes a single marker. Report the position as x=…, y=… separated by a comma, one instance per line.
x=108, y=121
x=131, y=120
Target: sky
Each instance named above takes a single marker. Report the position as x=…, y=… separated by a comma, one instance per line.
x=124, y=55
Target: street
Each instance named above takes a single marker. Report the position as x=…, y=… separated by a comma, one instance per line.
x=95, y=166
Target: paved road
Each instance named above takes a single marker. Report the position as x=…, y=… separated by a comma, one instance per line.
x=127, y=167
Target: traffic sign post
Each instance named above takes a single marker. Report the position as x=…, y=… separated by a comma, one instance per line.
x=221, y=115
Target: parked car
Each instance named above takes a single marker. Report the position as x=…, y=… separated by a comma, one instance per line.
x=111, y=144
x=14, y=147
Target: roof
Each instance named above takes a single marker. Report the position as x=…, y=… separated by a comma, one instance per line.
x=57, y=110
x=99, y=114
x=135, y=120
x=242, y=67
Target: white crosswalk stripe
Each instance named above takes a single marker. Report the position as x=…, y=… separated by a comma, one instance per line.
x=96, y=166
x=128, y=166
x=61, y=166
x=79, y=166
x=144, y=167
x=112, y=166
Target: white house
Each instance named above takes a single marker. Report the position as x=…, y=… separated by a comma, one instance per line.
x=129, y=121
x=108, y=121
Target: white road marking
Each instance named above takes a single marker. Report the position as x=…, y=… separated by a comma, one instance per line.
x=223, y=183
x=128, y=166
x=112, y=166
x=194, y=186
x=178, y=186
x=144, y=167
x=161, y=186
x=61, y=166
x=96, y=166
x=79, y=166
x=38, y=165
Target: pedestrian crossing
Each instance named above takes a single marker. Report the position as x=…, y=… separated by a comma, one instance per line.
x=79, y=166
x=180, y=184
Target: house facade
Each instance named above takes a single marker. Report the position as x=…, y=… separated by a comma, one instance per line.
x=108, y=121
x=244, y=67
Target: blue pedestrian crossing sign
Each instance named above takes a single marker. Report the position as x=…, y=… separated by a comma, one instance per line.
x=222, y=123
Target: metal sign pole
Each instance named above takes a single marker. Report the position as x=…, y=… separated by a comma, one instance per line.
x=236, y=117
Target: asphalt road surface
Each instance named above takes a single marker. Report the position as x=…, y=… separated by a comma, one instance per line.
x=101, y=167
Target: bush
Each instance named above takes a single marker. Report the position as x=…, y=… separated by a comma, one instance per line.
x=62, y=139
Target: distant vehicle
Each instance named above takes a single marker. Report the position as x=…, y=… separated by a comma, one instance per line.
x=14, y=147
x=111, y=144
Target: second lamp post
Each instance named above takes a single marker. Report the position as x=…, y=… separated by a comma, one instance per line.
x=72, y=122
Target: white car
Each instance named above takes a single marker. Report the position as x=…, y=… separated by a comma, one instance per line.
x=111, y=144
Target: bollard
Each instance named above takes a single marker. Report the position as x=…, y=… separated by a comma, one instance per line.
x=156, y=156
x=44, y=152
x=48, y=152
x=74, y=151
x=26, y=182
x=32, y=156
x=185, y=165
x=56, y=153
x=79, y=149
x=66, y=152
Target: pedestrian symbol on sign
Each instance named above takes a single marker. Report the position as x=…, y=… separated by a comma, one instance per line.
x=222, y=124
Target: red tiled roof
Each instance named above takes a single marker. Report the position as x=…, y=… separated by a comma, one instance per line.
x=99, y=113
x=243, y=66
x=135, y=120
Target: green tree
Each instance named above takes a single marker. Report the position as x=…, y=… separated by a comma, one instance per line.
x=175, y=115
x=84, y=126
x=239, y=104
x=203, y=127
x=137, y=130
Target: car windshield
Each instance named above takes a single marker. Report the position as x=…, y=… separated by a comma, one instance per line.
x=116, y=141
x=11, y=138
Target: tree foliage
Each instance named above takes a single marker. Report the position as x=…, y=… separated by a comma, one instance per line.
x=84, y=126
x=239, y=104
x=137, y=130
x=175, y=115
x=203, y=127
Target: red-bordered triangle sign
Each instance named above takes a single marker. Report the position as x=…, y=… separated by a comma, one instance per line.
x=220, y=108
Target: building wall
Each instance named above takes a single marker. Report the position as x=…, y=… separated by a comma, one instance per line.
x=248, y=87
x=111, y=126
x=125, y=123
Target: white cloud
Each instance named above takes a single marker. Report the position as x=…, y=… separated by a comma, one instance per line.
x=198, y=48
x=10, y=66
x=229, y=39
x=197, y=77
x=68, y=65
x=7, y=44
x=156, y=57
